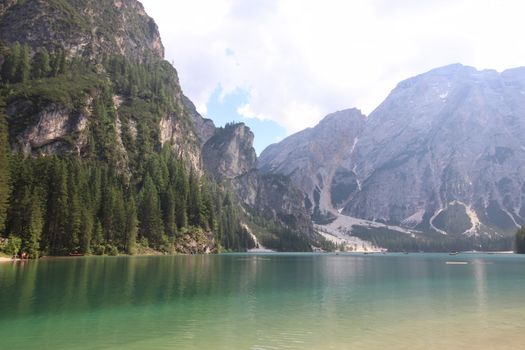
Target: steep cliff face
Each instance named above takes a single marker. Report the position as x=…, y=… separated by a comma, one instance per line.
x=114, y=83
x=448, y=143
x=83, y=28
x=230, y=157
x=229, y=152
x=317, y=161
x=203, y=127
x=444, y=153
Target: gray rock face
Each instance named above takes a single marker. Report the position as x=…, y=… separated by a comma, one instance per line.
x=444, y=152
x=229, y=152
x=230, y=157
x=317, y=160
x=204, y=128
x=50, y=130
x=82, y=28
x=275, y=198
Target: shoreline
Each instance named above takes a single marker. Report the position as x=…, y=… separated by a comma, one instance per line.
x=5, y=259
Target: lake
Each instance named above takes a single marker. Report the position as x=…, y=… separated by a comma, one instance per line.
x=267, y=301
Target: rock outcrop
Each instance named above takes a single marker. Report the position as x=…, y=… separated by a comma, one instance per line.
x=83, y=28
x=230, y=157
x=46, y=119
x=229, y=152
x=317, y=161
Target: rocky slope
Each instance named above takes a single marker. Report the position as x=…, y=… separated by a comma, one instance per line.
x=83, y=28
x=58, y=120
x=444, y=152
x=314, y=158
x=230, y=157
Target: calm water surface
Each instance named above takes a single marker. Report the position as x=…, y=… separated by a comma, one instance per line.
x=273, y=301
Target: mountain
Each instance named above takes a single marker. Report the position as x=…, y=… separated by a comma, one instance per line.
x=267, y=199
x=108, y=155
x=444, y=153
x=84, y=28
x=313, y=158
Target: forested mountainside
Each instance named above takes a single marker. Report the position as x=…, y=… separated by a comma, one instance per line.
x=100, y=150
x=442, y=155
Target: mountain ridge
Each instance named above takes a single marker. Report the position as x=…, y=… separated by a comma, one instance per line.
x=444, y=144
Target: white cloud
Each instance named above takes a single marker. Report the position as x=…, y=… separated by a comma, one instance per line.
x=301, y=59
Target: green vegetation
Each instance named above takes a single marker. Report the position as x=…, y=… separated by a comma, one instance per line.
x=453, y=219
x=90, y=208
x=519, y=243
x=13, y=245
x=5, y=181
x=396, y=241
x=109, y=200
x=274, y=235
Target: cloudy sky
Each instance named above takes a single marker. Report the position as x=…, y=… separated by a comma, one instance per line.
x=281, y=65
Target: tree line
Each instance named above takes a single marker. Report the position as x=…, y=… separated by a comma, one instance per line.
x=20, y=67
x=59, y=206
x=519, y=241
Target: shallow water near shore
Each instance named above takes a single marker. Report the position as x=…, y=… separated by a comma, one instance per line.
x=265, y=301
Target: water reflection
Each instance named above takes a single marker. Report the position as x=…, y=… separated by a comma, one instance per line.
x=251, y=301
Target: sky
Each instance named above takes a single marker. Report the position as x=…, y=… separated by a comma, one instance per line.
x=280, y=66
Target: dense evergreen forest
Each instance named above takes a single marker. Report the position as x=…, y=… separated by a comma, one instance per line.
x=519, y=242
x=93, y=202
x=396, y=241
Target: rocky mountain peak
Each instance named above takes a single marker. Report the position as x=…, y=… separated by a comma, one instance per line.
x=442, y=153
x=316, y=157
x=229, y=152
x=83, y=28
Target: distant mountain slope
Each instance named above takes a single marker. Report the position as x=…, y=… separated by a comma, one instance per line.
x=444, y=152
x=314, y=158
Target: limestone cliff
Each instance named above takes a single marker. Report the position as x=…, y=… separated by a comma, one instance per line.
x=84, y=28
x=315, y=160
x=113, y=50
x=443, y=153
x=230, y=157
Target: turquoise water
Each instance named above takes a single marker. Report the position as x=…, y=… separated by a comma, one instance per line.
x=273, y=301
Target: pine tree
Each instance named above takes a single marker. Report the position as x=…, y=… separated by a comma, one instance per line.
x=41, y=66
x=169, y=209
x=57, y=63
x=11, y=63
x=520, y=241
x=98, y=238
x=181, y=194
x=35, y=227
x=107, y=214
x=195, y=217
x=150, y=213
x=74, y=221
x=23, y=69
x=119, y=220
x=207, y=203
x=56, y=235
x=86, y=230
x=131, y=227
x=21, y=171
x=5, y=175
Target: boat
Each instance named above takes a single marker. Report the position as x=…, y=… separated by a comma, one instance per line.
x=453, y=253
